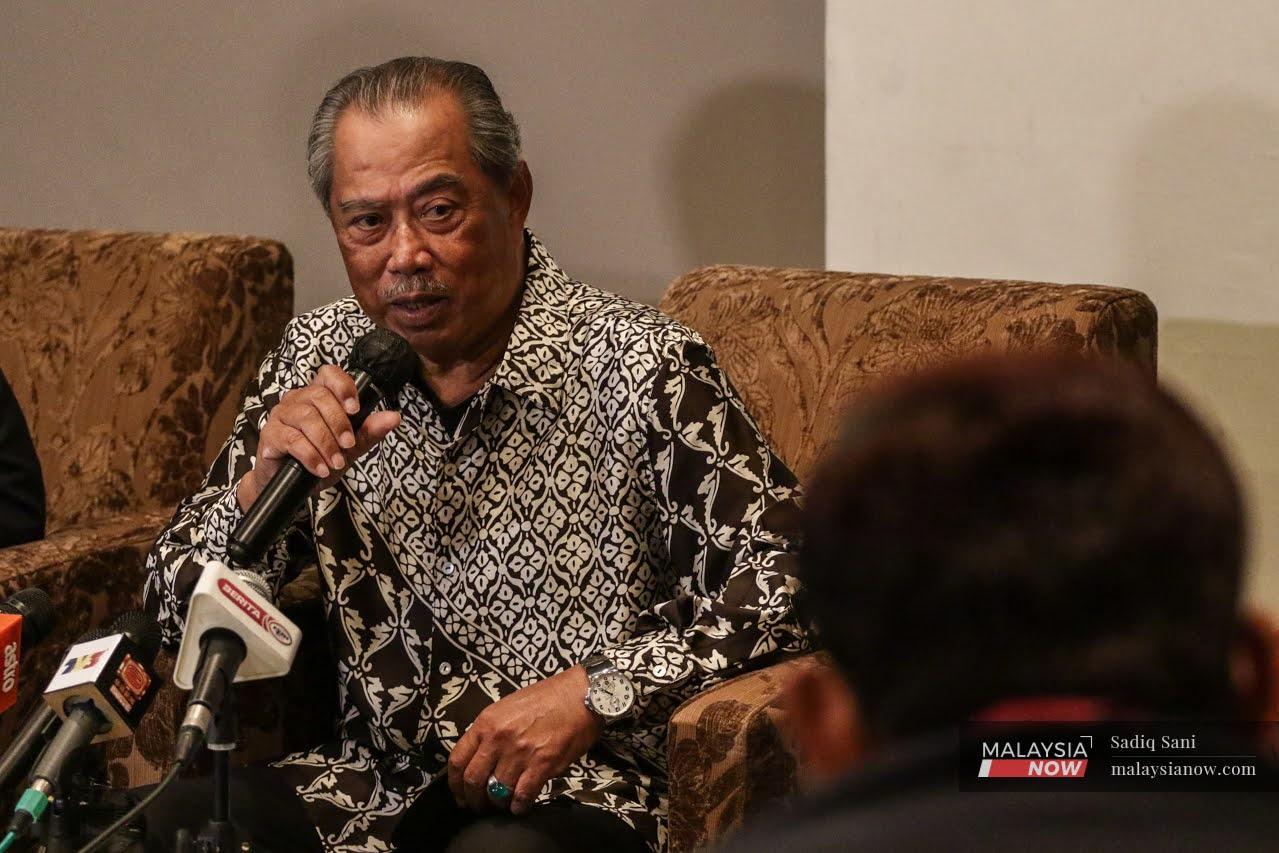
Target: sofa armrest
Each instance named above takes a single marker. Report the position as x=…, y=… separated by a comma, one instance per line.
x=728, y=754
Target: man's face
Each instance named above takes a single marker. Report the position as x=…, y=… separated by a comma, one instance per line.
x=433, y=246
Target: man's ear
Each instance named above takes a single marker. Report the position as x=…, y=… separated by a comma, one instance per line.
x=1252, y=667
x=823, y=723
x=520, y=194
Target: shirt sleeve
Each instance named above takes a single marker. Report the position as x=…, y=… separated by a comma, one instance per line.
x=203, y=522
x=730, y=509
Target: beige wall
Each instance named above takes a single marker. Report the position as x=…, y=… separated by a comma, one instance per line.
x=1132, y=143
x=661, y=135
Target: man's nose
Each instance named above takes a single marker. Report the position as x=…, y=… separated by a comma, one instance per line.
x=409, y=251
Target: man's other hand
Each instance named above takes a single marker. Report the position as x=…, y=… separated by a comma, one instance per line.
x=524, y=739
x=313, y=425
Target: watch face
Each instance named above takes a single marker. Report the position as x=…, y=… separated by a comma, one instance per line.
x=612, y=695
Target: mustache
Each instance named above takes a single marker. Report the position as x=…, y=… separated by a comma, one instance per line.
x=413, y=285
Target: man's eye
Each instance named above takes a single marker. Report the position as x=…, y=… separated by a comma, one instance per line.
x=368, y=220
x=438, y=211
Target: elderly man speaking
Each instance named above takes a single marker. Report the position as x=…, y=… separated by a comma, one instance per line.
x=565, y=526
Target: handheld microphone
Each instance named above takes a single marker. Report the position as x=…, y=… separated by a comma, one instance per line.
x=101, y=690
x=380, y=364
x=234, y=633
x=25, y=620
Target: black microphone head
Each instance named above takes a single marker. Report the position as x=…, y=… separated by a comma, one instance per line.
x=143, y=631
x=94, y=634
x=386, y=357
x=36, y=609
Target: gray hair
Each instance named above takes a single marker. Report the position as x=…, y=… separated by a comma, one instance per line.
x=405, y=83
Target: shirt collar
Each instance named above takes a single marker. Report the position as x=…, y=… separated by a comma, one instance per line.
x=538, y=351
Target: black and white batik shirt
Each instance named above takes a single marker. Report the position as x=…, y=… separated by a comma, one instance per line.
x=604, y=492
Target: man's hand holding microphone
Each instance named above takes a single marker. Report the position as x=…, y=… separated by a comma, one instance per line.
x=313, y=426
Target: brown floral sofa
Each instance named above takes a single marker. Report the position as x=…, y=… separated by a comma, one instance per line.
x=128, y=353
x=799, y=346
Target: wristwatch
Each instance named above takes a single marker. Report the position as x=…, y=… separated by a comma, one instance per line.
x=609, y=693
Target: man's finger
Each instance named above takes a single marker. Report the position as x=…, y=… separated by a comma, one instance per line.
x=320, y=429
x=529, y=786
x=475, y=778
x=299, y=446
x=330, y=409
x=459, y=759
x=342, y=385
x=303, y=414
x=377, y=426
x=509, y=771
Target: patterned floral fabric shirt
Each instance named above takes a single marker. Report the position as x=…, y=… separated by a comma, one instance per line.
x=604, y=492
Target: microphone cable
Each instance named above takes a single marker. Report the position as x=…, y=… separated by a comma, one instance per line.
x=122, y=821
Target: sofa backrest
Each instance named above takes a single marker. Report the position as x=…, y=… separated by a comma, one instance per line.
x=799, y=345
x=128, y=353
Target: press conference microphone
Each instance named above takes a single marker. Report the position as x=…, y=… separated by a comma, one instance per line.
x=234, y=633
x=40, y=727
x=380, y=364
x=25, y=620
x=101, y=690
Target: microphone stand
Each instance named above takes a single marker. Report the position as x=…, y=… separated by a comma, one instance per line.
x=218, y=834
x=77, y=805
x=63, y=828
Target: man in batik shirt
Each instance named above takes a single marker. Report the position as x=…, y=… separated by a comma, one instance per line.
x=564, y=528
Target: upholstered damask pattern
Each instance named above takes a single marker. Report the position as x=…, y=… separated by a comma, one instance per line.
x=728, y=756
x=800, y=345
x=128, y=353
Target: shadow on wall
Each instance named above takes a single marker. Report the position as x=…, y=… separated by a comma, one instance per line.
x=1202, y=189
x=1228, y=372
x=748, y=176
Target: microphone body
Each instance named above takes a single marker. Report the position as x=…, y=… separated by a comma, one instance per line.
x=41, y=725
x=240, y=603
x=113, y=675
x=25, y=620
x=221, y=653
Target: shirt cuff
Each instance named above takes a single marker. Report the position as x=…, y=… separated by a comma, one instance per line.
x=654, y=662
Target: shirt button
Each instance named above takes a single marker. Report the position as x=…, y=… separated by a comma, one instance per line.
x=445, y=668
x=449, y=568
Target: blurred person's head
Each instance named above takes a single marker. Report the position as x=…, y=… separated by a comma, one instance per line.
x=1038, y=527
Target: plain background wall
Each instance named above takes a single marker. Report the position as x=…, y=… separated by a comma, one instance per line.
x=662, y=134
x=1132, y=143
